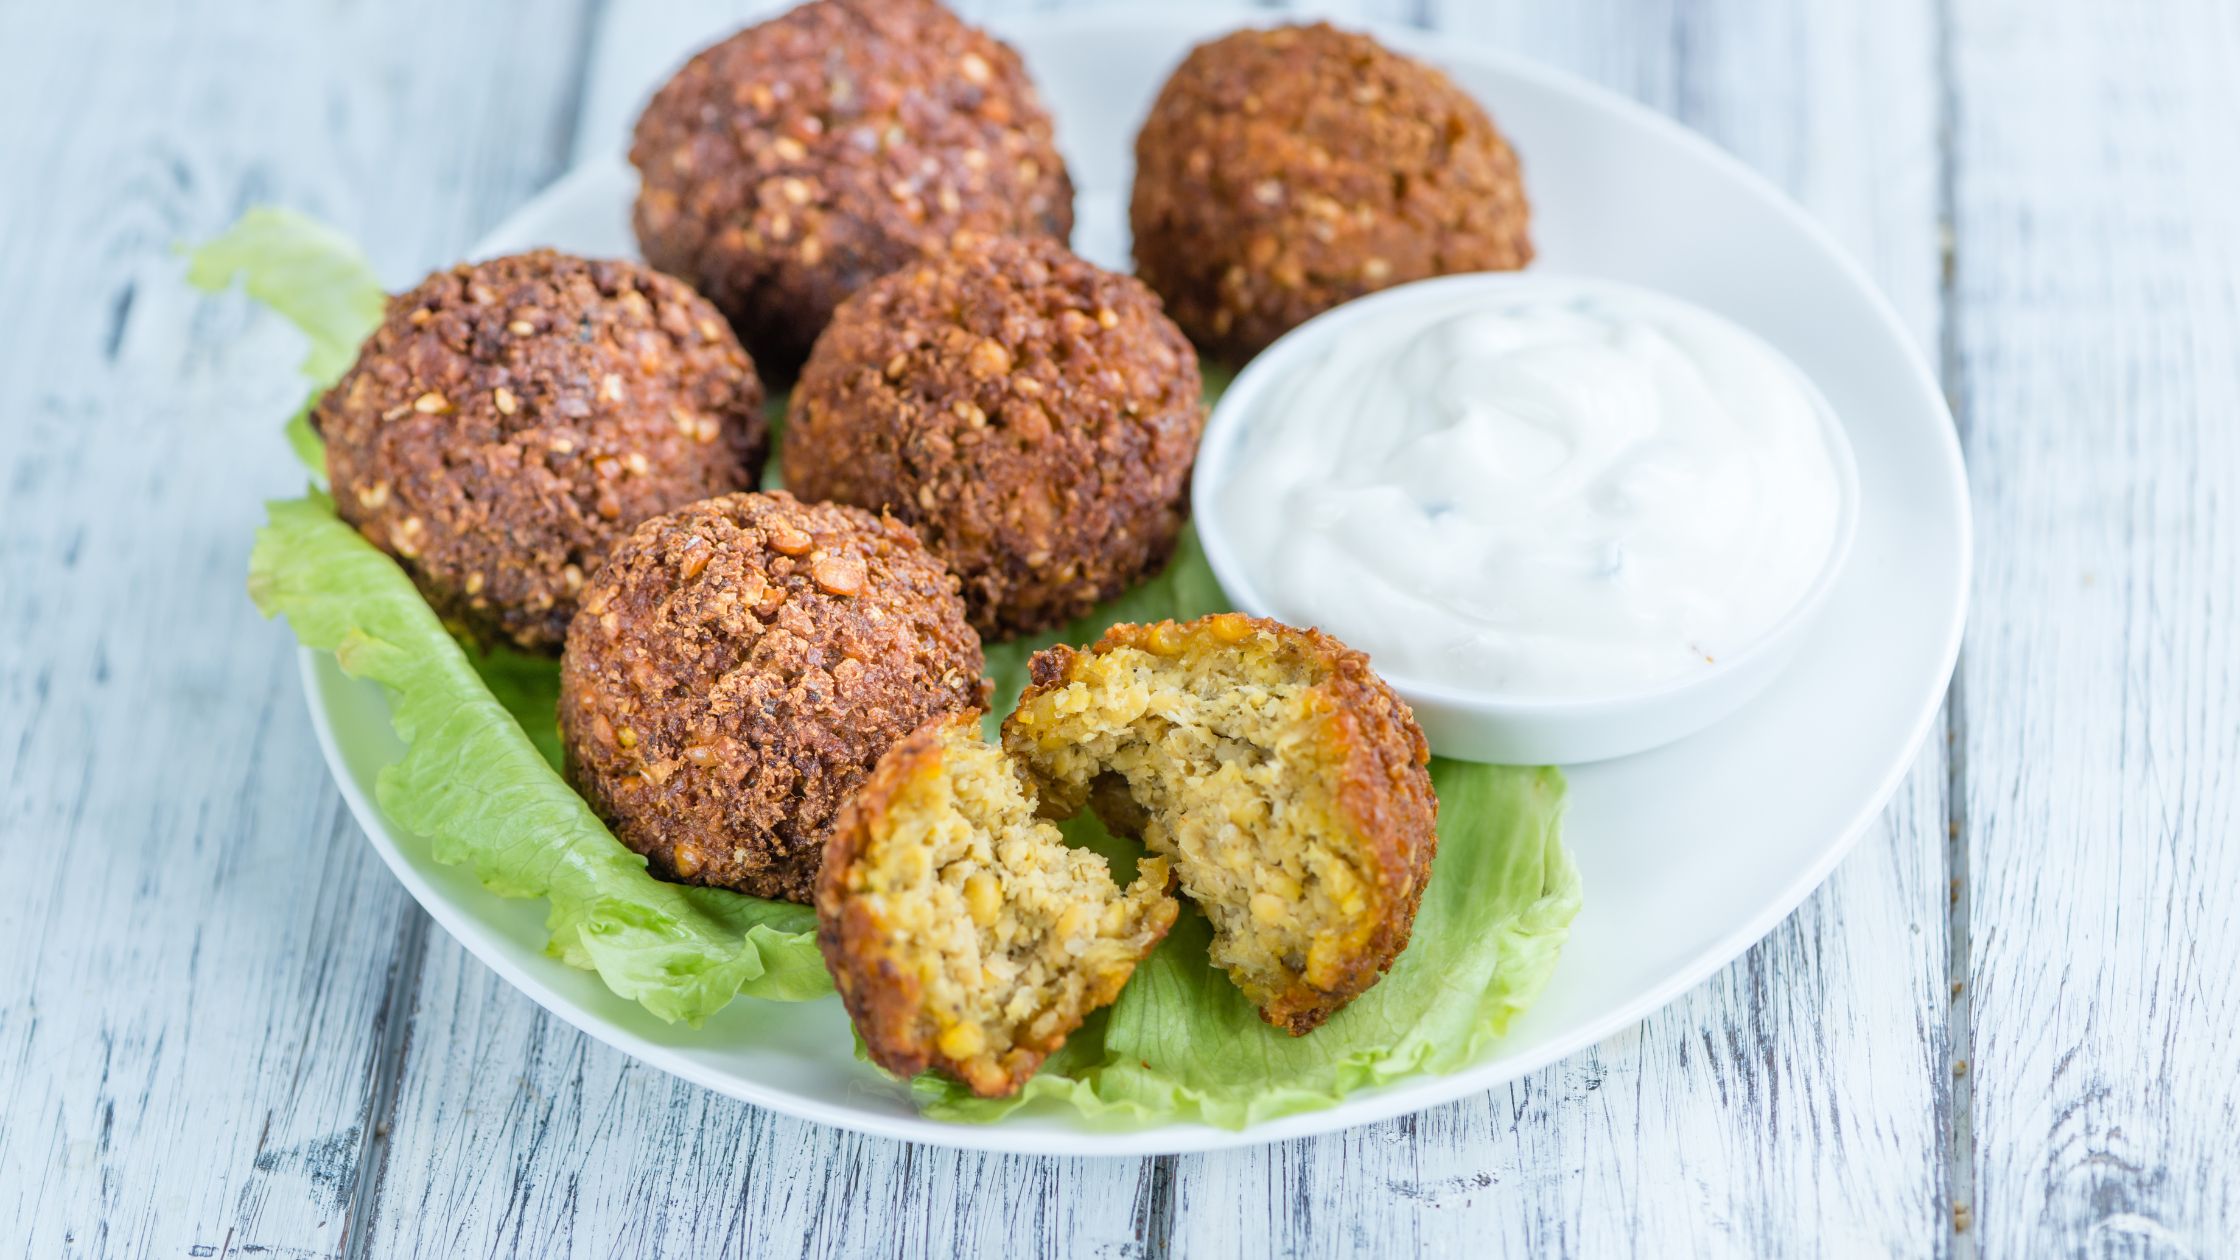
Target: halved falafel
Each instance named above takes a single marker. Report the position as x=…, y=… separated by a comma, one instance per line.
x=738, y=667
x=510, y=419
x=960, y=929
x=797, y=160
x=1032, y=415
x=1284, y=171
x=1283, y=778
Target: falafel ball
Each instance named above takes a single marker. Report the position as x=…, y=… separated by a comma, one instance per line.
x=961, y=930
x=1284, y=171
x=510, y=419
x=1034, y=416
x=736, y=670
x=787, y=166
x=1285, y=781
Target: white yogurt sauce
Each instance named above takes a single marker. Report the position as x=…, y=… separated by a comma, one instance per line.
x=1569, y=491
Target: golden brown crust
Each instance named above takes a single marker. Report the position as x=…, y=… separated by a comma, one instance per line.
x=1033, y=416
x=1284, y=171
x=511, y=419
x=737, y=669
x=1370, y=747
x=880, y=990
x=792, y=163
x=873, y=966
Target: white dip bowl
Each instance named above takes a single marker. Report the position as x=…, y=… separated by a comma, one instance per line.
x=1488, y=723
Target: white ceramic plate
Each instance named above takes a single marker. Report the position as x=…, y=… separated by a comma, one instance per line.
x=1690, y=853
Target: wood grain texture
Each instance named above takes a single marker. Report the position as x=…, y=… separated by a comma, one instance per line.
x=2097, y=278
x=516, y=1135
x=200, y=948
x=258, y=1046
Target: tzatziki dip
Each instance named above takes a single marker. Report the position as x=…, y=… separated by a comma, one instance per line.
x=1567, y=489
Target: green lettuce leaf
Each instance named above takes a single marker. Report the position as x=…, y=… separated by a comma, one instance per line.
x=312, y=275
x=481, y=792
x=315, y=277
x=529, y=688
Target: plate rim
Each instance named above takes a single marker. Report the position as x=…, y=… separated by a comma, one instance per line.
x=1368, y=1106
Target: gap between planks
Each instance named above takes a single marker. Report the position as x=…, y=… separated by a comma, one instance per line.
x=1956, y=1090
x=393, y=1032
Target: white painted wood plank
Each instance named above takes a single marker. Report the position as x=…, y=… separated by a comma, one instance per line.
x=2098, y=315
x=1792, y=1105
x=198, y=943
x=2098, y=236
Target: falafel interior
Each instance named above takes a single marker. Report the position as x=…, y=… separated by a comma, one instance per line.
x=1218, y=745
x=960, y=928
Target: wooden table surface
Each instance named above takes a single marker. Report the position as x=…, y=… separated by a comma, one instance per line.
x=2006, y=1026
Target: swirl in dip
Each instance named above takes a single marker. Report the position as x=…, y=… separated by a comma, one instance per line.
x=1560, y=489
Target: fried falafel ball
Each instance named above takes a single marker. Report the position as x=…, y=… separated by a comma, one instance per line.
x=510, y=419
x=1284, y=171
x=796, y=161
x=739, y=666
x=1033, y=416
x=1281, y=776
x=961, y=930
